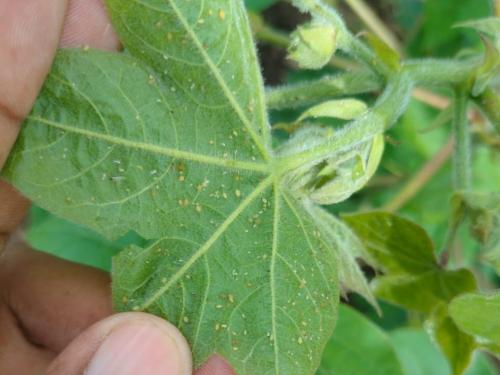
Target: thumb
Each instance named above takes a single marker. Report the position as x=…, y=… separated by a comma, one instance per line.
x=126, y=344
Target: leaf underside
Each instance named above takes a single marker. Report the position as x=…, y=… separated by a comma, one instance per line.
x=170, y=139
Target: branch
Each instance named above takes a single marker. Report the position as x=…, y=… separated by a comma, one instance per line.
x=326, y=88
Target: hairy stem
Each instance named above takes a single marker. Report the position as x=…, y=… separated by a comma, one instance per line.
x=326, y=88
x=352, y=83
x=438, y=72
x=389, y=107
x=266, y=33
x=462, y=152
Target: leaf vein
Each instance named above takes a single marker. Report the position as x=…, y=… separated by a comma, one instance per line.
x=179, y=154
x=210, y=241
x=272, y=275
x=220, y=80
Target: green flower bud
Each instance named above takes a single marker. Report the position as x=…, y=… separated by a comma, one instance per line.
x=313, y=45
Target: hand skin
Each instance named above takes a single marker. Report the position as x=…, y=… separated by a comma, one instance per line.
x=56, y=316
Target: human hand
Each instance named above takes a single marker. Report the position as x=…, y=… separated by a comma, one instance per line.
x=56, y=316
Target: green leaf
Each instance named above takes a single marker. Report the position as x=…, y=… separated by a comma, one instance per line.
x=478, y=315
x=417, y=353
x=489, y=69
x=346, y=109
x=256, y=306
x=405, y=252
x=456, y=345
x=483, y=210
x=425, y=291
x=397, y=245
x=385, y=52
x=313, y=45
x=171, y=140
x=258, y=5
x=347, y=249
x=359, y=347
x=73, y=242
x=493, y=258
x=437, y=36
x=489, y=26
x=420, y=356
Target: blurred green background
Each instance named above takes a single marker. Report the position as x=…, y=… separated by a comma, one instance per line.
x=394, y=343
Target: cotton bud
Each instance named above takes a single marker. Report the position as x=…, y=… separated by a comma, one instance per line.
x=313, y=45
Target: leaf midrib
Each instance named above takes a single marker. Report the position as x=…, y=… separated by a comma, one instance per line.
x=220, y=80
x=156, y=149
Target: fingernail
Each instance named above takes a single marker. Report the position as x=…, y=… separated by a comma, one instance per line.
x=136, y=349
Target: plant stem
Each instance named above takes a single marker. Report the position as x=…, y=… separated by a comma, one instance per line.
x=438, y=72
x=326, y=88
x=353, y=83
x=368, y=16
x=462, y=153
x=421, y=178
x=266, y=33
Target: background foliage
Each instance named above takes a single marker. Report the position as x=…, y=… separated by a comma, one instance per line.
x=363, y=340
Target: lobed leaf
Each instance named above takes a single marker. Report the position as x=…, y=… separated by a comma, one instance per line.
x=170, y=139
x=397, y=245
x=425, y=291
x=403, y=250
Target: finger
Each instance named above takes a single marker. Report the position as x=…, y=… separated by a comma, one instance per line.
x=14, y=206
x=29, y=35
x=87, y=24
x=53, y=299
x=16, y=355
x=126, y=344
x=215, y=366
